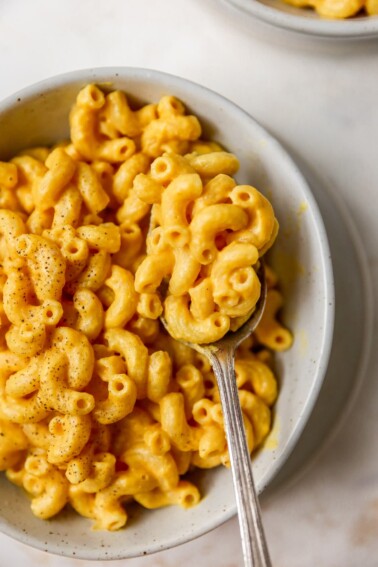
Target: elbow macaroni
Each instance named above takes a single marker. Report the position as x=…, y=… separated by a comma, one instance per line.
x=336, y=9
x=98, y=405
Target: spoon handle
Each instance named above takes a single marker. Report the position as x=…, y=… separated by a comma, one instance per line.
x=255, y=549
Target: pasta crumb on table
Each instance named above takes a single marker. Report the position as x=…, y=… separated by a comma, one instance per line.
x=98, y=404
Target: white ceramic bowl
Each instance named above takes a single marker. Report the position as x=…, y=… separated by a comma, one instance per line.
x=282, y=15
x=37, y=115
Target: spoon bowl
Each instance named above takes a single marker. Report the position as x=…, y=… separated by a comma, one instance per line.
x=233, y=339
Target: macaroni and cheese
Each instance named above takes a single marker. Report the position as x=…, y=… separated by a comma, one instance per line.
x=98, y=404
x=336, y=9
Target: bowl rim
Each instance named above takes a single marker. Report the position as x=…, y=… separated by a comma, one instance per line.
x=358, y=28
x=107, y=74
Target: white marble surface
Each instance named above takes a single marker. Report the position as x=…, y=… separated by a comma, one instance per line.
x=320, y=98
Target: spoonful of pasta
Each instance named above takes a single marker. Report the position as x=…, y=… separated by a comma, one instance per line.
x=221, y=355
x=204, y=257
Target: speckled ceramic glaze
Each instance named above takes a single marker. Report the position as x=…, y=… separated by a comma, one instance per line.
x=307, y=21
x=38, y=115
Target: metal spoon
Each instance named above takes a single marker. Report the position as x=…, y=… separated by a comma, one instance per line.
x=221, y=355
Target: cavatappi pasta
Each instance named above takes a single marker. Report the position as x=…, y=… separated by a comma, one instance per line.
x=98, y=404
x=338, y=9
